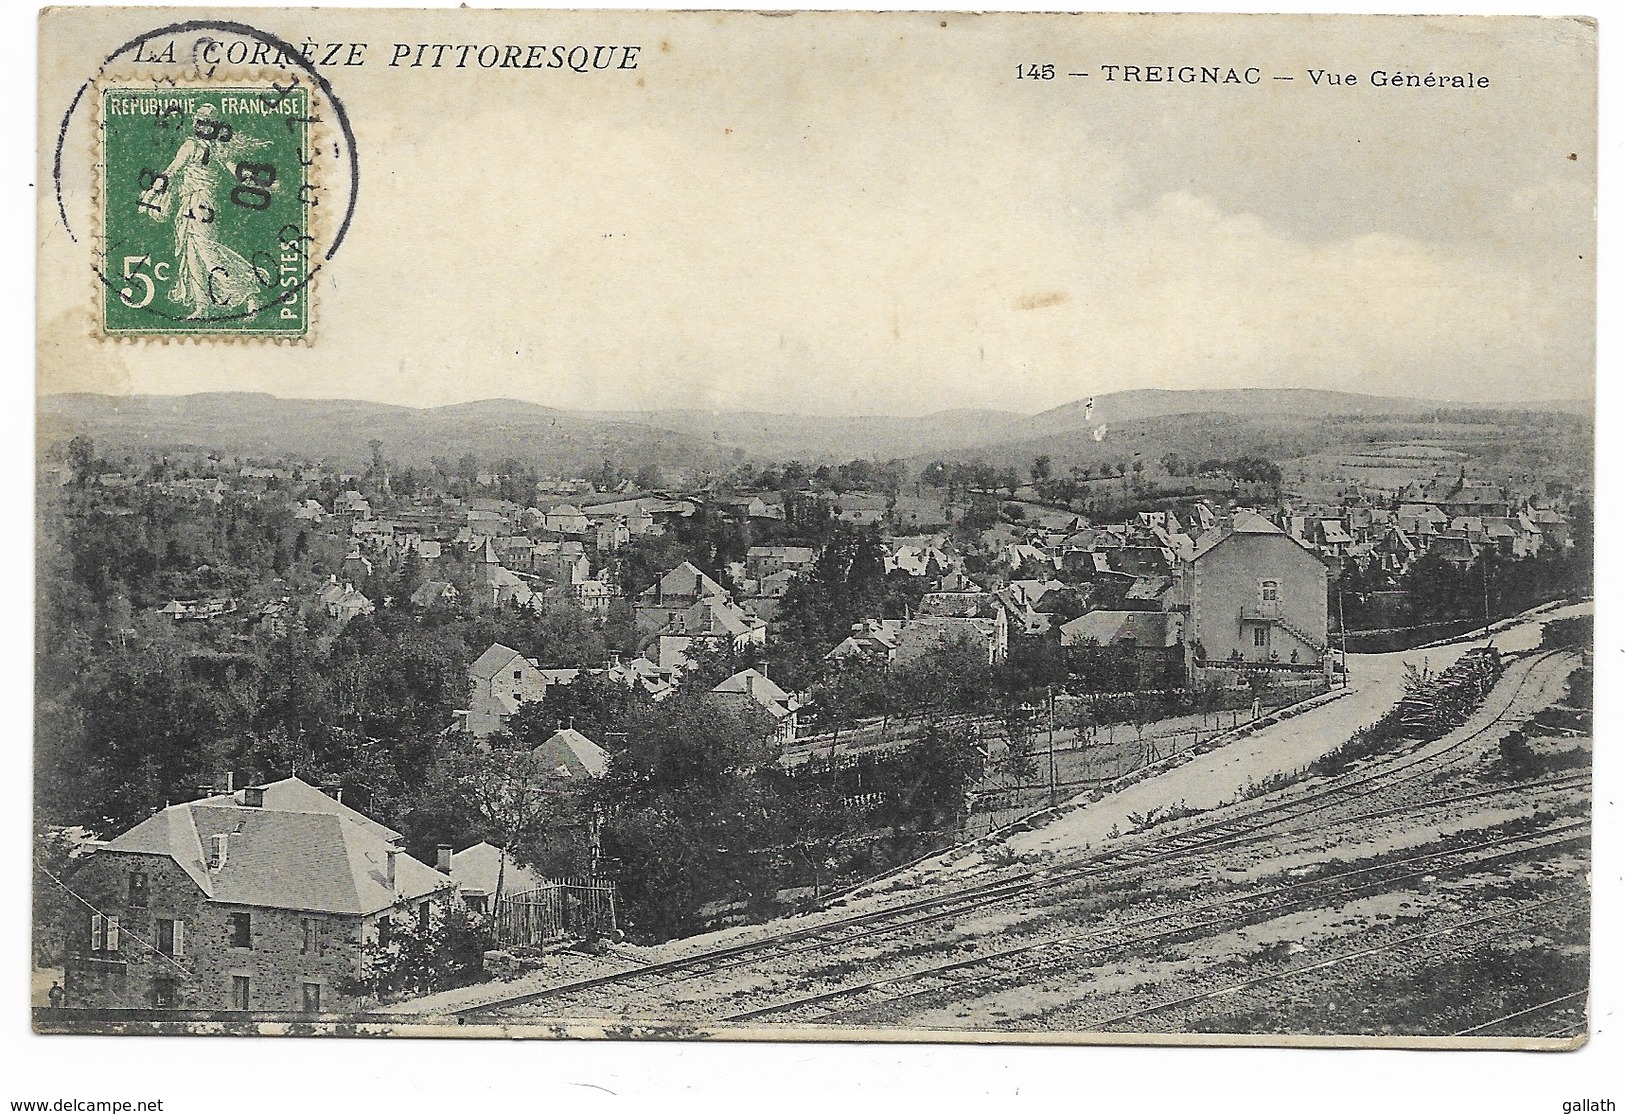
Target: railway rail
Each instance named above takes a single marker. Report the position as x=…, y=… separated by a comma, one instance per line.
x=1454, y=935
x=1256, y=822
x=1115, y=941
x=859, y=928
x=1559, y=1004
x=1358, y=783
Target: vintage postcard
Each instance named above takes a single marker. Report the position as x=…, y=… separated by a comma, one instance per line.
x=840, y=526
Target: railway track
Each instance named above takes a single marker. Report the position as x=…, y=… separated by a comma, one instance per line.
x=1494, y=922
x=1422, y=761
x=1560, y=1004
x=853, y=930
x=1255, y=823
x=1100, y=945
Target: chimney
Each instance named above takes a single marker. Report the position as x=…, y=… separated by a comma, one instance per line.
x=389, y=865
x=334, y=791
x=254, y=797
x=442, y=858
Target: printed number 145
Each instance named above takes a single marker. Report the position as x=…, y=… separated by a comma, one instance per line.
x=1038, y=71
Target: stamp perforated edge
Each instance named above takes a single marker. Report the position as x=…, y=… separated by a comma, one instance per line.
x=317, y=139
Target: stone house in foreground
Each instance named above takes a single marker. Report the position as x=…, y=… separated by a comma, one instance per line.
x=262, y=899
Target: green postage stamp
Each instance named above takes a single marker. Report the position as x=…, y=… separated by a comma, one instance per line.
x=206, y=206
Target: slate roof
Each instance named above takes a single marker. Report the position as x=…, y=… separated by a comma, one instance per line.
x=759, y=687
x=1451, y=547
x=343, y=595
x=915, y=562
x=493, y=661
x=316, y=861
x=776, y=584
x=713, y=615
x=1149, y=587
x=1245, y=522
x=755, y=681
x=789, y=554
x=869, y=636
x=1031, y=591
x=1422, y=511
x=927, y=629
x=1332, y=530
x=957, y=605
x=293, y=795
x=572, y=754
x=475, y=869
x=1146, y=628
x=431, y=592
x=683, y=580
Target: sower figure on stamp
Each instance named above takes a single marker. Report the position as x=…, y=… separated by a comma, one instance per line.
x=210, y=277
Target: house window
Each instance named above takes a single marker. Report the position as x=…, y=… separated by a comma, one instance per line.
x=1261, y=635
x=516, y=675
x=423, y=917
x=170, y=936
x=1269, y=591
x=103, y=933
x=386, y=928
x=218, y=845
x=241, y=935
x=239, y=992
x=163, y=994
x=138, y=890
x=313, y=997
x=312, y=941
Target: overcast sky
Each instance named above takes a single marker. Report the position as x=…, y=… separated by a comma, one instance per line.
x=850, y=215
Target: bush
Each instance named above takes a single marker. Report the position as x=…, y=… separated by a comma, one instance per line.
x=1573, y=631
x=1514, y=752
x=449, y=952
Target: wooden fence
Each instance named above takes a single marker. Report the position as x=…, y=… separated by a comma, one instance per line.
x=555, y=910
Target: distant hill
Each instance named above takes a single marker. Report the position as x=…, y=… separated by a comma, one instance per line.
x=1197, y=435
x=1133, y=406
x=1196, y=423
x=819, y=438
x=260, y=425
x=1553, y=441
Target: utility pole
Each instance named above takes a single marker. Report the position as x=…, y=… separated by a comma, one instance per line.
x=1049, y=698
x=1342, y=632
